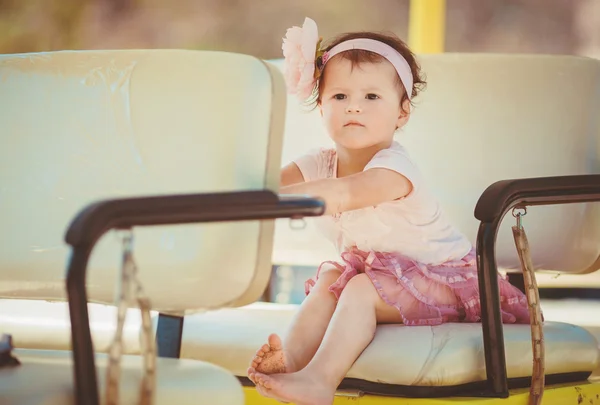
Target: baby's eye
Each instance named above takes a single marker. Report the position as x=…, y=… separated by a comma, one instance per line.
x=340, y=96
x=372, y=96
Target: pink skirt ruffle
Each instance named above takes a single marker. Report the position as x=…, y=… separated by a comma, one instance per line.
x=427, y=294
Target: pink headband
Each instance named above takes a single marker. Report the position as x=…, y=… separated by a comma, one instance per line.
x=380, y=48
x=301, y=52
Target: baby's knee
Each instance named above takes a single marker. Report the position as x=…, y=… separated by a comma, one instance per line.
x=360, y=286
x=359, y=282
x=327, y=276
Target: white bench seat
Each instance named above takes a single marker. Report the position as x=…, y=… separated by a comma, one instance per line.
x=215, y=337
x=445, y=355
x=48, y=374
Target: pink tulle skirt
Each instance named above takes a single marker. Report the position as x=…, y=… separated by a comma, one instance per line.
x=427, y=294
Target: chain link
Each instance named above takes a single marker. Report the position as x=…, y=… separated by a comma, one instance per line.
x=131, y=293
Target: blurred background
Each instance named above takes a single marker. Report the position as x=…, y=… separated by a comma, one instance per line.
x=257, y=26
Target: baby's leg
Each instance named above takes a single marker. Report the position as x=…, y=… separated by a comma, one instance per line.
x=351, y=329
x=305, y=333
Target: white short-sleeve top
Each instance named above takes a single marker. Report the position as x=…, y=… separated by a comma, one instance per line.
x=413, y=226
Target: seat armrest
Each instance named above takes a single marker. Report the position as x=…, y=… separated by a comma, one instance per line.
x=491, y=207
x=501, y=196
x=96, y=219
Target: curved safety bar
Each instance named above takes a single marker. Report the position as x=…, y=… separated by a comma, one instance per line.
x=491, y=207
x=96, y=219
x=503, y=195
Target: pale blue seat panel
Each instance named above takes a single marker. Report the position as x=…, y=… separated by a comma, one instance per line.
x=83, y=126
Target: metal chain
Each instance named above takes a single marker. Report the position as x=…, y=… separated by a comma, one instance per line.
x=519, y=215
x=130, y=292
x=536, y=390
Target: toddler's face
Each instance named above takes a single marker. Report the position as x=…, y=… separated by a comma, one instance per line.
x=361, y=105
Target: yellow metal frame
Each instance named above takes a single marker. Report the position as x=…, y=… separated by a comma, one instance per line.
x=427, y=26
x=583, y=393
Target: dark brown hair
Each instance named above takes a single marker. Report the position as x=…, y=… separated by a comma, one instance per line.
x=358, y=56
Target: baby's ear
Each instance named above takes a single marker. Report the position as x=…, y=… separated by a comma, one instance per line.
x=405, y=107
x=404, y=114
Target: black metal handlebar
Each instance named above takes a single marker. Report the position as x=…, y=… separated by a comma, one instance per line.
x=96, y=219
x=491, y=207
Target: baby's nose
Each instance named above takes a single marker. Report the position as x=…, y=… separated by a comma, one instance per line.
x=353, y=108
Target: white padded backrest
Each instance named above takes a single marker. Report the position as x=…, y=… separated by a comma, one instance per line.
x=485, y=118
x=78, y=127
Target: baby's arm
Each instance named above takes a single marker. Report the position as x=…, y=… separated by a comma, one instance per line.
x=291, y=174
x=369, y=188
x=302, y=169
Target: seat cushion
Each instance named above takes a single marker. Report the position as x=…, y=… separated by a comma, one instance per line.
x=444, y=355
x=46, y=377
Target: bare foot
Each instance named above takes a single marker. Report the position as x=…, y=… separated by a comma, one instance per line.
x=270, y=358
x=300, y=388
x=259, y=388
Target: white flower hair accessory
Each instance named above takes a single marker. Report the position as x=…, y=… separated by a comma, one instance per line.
x=305, y=61
x=301, y=52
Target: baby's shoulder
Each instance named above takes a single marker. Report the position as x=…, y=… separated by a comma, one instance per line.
x=396, y=158
x=396, y=152
x=316, y=164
